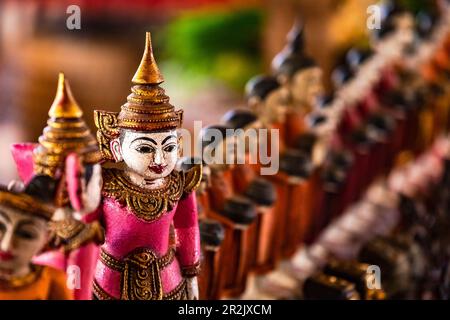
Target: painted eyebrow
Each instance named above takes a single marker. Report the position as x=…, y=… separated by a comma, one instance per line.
x=168, y=138
x=146, y=139
x=25, y=223
x=4, y=216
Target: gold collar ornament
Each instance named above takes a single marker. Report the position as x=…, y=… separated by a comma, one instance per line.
x=15, y=283
x=147, y=108
x=146, y=204
x=66, y=132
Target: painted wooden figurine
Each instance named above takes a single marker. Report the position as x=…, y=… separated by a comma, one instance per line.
x=67, y=153
x=148, y=209
x=248, y=181
x=236, y=212
x=212, y=234
x=24, y=217
x=302, y=77
x=268, y=98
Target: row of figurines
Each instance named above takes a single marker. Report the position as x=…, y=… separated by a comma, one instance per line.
x=390, y=244
x=332, y=149
x=129, y=229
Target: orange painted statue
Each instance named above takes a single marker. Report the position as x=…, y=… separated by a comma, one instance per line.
x=24, y=217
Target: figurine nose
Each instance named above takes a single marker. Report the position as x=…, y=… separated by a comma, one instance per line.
x=158, y=157
x=6, y=242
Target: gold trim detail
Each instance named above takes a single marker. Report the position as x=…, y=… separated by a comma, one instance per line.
x=117, y=265
x=141, y=273
x=179, y=293
x=67, y=228
x=148, y=71
x=193, y=177
x=191, y=271
x=146, y=204
x=71, y=234
x=65, y=132
x=107, y=125
x=147, y=108
x=99, y=293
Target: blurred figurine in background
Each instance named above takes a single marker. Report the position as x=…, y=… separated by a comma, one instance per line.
x=302, y=78
x=68, y=154
x=24, y=217
x=212, y=234
x=148, y=210
x=236, y=212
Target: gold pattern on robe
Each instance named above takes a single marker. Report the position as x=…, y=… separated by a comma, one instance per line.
x=149, y=204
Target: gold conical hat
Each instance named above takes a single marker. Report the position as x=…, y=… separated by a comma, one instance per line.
x=26, y=203
x=148, y=107
x=66, y=132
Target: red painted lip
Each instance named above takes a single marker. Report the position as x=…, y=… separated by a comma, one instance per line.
x=6, y=256
x=157, y=169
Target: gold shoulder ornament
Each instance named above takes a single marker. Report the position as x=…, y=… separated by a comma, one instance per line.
x=146, y=204
x=192, y=178
x=107, y=125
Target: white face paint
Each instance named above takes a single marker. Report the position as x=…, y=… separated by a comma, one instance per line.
x=275, y=108
x=21, y=237
x=306, y=86
x=148, y=155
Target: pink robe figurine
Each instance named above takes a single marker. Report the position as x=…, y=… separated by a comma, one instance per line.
x=148, y=209
x=68, y=153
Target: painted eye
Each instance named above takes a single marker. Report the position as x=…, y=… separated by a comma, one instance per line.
x=170, y=148
x=2, y=228
x=25, y=234
x=145, y=149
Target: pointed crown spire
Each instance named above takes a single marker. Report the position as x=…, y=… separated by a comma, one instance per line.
x=148, y=71
x=148, y=107
x=65, y=132
x=64, y=105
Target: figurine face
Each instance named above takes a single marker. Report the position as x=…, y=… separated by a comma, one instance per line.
x=21, y=237
x=305, y=86
x=273, y=108
x=222, y=156
x=151, y=155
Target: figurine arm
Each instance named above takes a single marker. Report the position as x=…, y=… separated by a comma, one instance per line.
x=188, y=235
x=84, y=196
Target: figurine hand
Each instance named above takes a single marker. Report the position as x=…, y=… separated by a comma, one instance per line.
x=84, y=190
x=74, y=175
x=192, y=288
